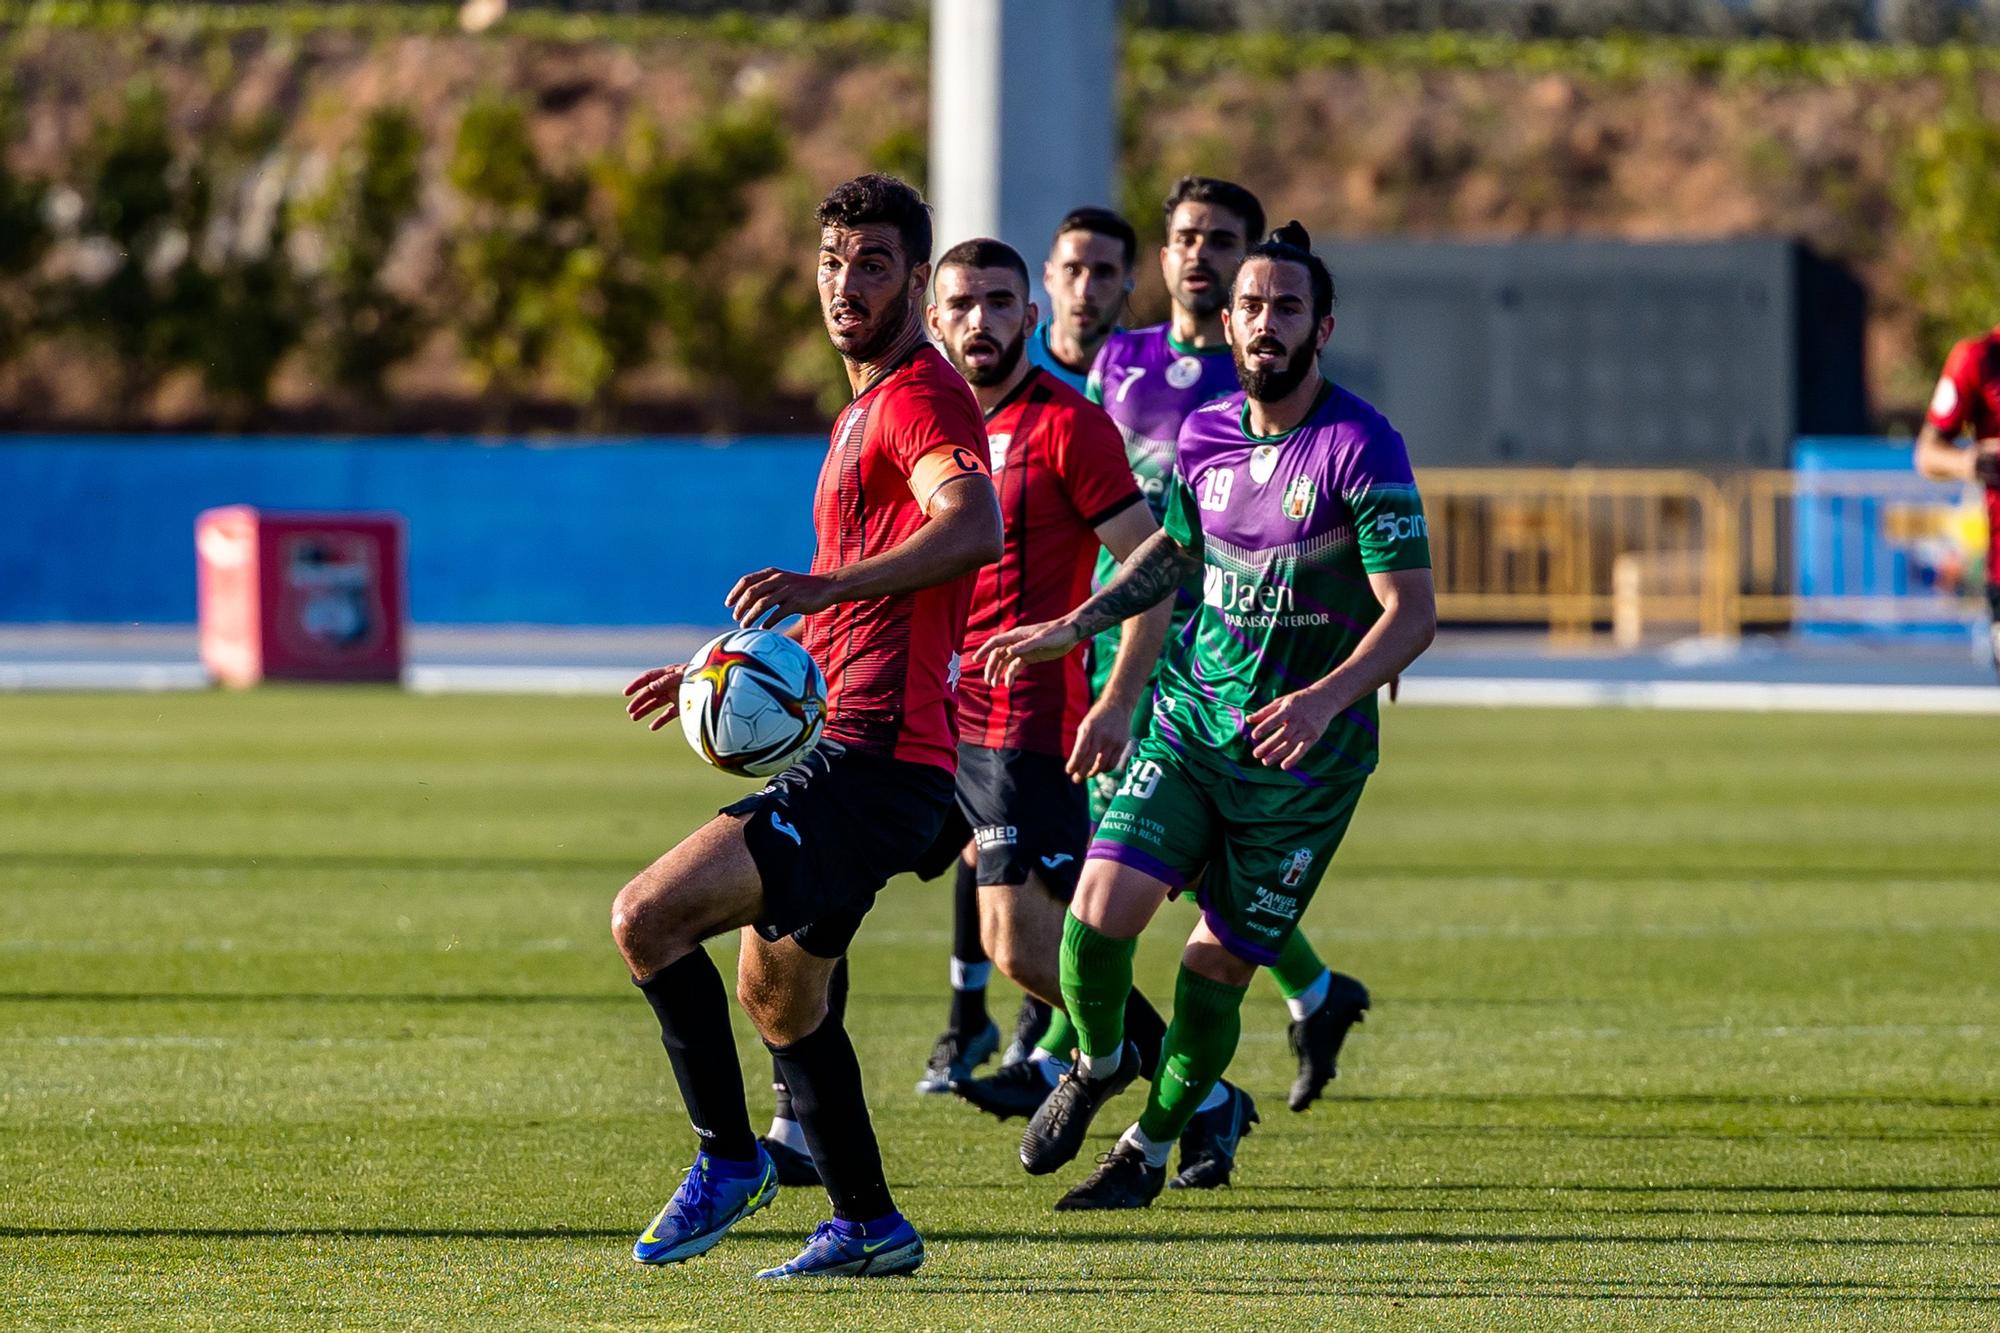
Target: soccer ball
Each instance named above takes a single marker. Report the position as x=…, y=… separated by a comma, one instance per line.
x=752, y=702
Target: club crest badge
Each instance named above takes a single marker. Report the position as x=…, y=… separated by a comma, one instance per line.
x=1183, y=373
x=1263, y=462
x=997, y=447
x=1299, y=499
x=1295, y=867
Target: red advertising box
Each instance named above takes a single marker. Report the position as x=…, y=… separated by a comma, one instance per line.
x=288, y=596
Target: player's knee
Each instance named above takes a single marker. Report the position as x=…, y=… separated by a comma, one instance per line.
x=641, y=930
x=1206, y=956
x=780, y=1019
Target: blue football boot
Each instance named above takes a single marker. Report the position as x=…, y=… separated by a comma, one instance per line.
x=842, y=1249
x=713, y=1197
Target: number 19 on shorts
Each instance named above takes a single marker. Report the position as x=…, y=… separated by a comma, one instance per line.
x=1142, y=778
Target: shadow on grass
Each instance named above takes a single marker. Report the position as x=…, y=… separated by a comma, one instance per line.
x=305, y=997
x=1482, y=870
x=1203, y=1236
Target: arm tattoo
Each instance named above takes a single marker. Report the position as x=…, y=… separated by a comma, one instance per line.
x=1146, y=579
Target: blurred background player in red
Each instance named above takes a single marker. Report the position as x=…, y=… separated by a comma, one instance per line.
x=1967, y=403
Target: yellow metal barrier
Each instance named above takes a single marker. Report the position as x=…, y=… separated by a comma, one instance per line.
x=1552, y=546
x=1639, y=551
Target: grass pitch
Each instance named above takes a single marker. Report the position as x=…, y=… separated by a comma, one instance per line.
x=309, y=1017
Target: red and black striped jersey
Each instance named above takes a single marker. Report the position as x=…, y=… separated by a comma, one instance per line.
x=1060, y=469
x=891, y=663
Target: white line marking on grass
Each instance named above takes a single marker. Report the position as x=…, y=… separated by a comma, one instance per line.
x=1704, y=695
x=145, y=677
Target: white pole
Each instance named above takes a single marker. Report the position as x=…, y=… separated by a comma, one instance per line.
x=1023, y=117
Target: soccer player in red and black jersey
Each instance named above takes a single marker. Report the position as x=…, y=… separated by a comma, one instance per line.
x=905, y=515
x=1065, y=492
x=1967, y=402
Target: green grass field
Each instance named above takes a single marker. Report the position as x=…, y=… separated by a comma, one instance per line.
x=309, y=1017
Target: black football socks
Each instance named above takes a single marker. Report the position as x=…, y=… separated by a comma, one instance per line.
x=693, y=1008
x=836, y=1012
x=1145, y=1029
x=825, y=1081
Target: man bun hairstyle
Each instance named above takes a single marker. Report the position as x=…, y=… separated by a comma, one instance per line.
x=1221, y=193
x=1290, y=244
x=985, y=252
x=1103, y=222
x=881, y=199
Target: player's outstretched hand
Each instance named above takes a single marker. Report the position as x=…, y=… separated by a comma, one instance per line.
x=768, y=596
x=1102, y=739
x=656, y=690
x=1290, y=725
x=1005, y=653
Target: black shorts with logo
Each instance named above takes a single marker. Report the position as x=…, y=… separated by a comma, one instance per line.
x=1023, y=814
x=830, y=831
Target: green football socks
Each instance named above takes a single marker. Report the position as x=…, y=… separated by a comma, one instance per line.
x=1060, y=1038
x=1298, y=968
x=1208, y=1018
x=1096, y=978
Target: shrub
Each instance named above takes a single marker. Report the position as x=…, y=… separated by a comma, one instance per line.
x=362, y=329
x=1947, y=189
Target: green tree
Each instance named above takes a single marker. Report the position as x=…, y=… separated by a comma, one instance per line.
x=539, y=288
x=679, y=214
x=362, y=328
x=166, y=281
x=1948, y=192
x=24, y=238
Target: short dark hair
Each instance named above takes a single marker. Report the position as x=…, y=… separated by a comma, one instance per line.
x=1290, y=244
x=985, y=252
x=1102, y=222
x=1223, y=194
x=879, y=198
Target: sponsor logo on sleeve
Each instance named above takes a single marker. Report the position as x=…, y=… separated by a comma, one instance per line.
x=1399, y=528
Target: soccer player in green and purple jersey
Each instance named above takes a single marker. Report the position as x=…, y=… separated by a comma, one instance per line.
x=1294, y=502
x=1148, y=381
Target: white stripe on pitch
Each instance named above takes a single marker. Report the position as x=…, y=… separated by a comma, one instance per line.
x=1725, y=696
x=145, y=677
x=1462, y=691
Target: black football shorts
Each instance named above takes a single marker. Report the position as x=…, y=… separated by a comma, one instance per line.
x=1025, y=815
x=830, y=831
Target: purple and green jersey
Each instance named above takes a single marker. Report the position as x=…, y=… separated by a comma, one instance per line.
x=1289, y=529
x=1148, y=383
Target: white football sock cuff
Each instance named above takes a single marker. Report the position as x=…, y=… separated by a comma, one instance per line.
x=790, y=1133
x=1311, y=998
x=1100, y=1066
x=1051, y=1066
x=1156, y=1153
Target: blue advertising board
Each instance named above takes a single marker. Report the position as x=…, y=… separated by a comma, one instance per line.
x=97, y=530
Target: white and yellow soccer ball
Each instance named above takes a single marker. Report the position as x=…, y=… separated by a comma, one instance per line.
x=752, y=702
